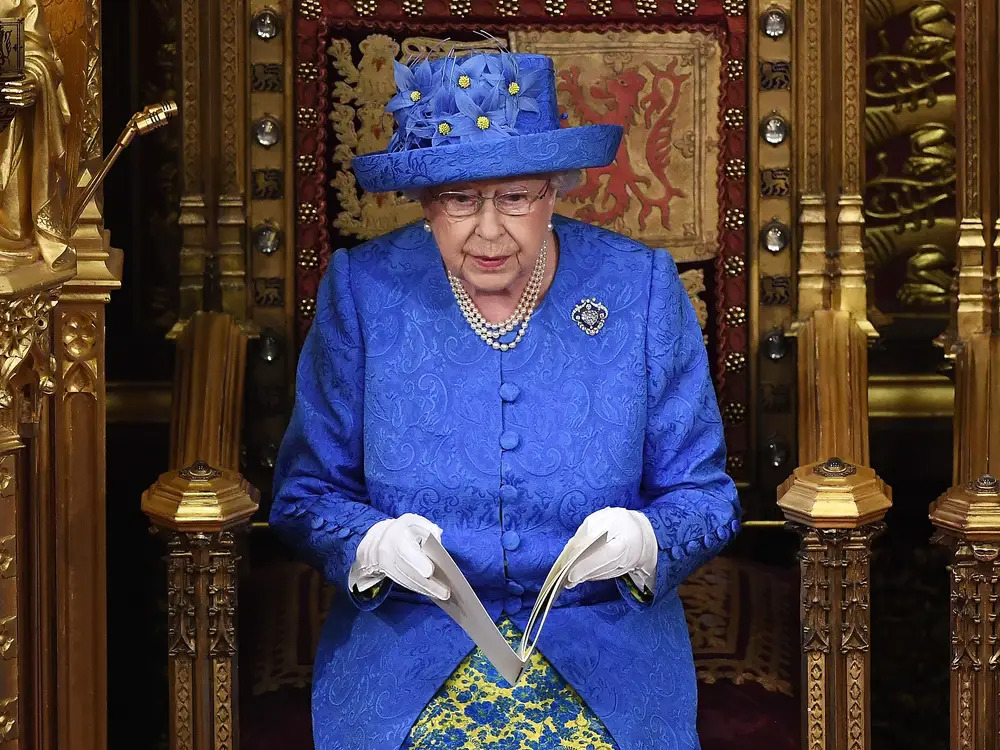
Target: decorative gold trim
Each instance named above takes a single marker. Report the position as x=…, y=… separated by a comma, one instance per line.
x=182, y=633
x=815, y=593
x=853, y=91
x=969, y=75
x=190, y=42
x=81, y=343
x=182, y=728
x=92, y=123
x=811, y=98
x=9, y=662
x=816, y=700
x=232, y=114
x=222, y=636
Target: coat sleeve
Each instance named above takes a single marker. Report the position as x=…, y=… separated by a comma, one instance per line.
x=691, y=502
x=320, y=504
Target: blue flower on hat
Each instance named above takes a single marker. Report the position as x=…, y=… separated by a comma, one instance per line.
x=468, y=74
x=519, y=90
x=415, y=86
x=474, y=121
x=418, y=88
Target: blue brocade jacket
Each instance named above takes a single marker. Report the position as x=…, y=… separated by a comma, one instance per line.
x=400, y=408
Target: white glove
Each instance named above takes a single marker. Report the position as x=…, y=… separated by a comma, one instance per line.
x=630, y=548
x=392, y=548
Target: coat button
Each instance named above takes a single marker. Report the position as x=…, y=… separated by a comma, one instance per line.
x=509, y=392
x=510, y=540
x=513, y=587
x=509, y=440
x=508, y=493
x=512, y=605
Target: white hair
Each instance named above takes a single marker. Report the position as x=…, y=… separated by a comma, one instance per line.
x=563, y=182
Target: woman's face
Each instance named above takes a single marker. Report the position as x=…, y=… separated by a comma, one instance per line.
x=489, y=250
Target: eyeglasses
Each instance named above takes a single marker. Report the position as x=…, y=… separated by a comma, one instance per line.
x=461, y=205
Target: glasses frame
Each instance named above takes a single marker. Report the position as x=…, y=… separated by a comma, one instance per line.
x=481, y=201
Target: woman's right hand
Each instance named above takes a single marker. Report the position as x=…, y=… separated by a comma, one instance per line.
x=391, y=548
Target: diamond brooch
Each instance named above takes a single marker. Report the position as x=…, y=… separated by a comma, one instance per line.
x=590, y=315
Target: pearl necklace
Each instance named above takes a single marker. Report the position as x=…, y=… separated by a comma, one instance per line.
x=491, y=333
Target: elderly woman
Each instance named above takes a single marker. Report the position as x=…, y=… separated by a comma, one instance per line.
x=502, y=378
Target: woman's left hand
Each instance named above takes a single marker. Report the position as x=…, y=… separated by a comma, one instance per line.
x=629, y=548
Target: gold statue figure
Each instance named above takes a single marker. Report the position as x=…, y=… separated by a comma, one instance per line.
x=33, y=148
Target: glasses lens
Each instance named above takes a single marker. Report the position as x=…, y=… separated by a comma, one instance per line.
x=513, y=204
x=459, y=204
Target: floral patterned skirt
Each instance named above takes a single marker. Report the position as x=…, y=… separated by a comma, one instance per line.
x=476, y=708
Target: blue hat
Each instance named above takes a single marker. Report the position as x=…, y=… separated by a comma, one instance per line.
x=488, y=115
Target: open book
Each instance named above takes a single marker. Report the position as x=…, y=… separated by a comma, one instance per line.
x=467, y=610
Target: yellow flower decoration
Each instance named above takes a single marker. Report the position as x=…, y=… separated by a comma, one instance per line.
x=414, y=96
x=464, y=81
x=444, y=128
x=482, y=122
x=513, y=88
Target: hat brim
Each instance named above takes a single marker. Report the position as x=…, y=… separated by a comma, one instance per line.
x=534, y=153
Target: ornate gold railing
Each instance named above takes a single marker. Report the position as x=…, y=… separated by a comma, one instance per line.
x=200, y=509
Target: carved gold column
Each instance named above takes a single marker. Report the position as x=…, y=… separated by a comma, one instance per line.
x=79, y=423
x=26, y=381
x=838, y=509
x=968, y=515
x=200, y=511
x=835, y=504
x=968, y=521
x=977, y=365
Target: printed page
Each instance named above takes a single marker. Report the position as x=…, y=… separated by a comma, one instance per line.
x=465, y=608
x=554, y=585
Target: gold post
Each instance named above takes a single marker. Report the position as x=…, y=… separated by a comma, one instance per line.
x=838, y=508
x=968, y=521
x=200, y=510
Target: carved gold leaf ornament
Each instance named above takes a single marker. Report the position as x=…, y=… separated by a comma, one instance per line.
x=8, y=554
x=24, y=324
x=8, y=719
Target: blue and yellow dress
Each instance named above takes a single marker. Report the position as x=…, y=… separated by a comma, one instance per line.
x=477, y=709
x=400, y=408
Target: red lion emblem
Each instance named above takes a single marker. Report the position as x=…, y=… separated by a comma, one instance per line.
x=624, y=104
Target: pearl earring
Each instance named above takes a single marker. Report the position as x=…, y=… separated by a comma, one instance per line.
x=427, y=226
x=550, y=226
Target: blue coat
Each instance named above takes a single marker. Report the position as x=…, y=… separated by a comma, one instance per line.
x=401, y=408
